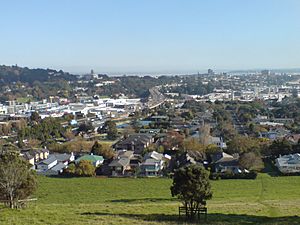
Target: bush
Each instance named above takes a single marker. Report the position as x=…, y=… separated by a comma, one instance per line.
x=230, y=175
x=82, y=169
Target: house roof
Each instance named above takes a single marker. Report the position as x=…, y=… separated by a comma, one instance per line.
x=125, y=154
x=150, y=162
x=62, y=157
x=222, y=157
x=58, y=167
x=154, y=155
x=135, y=139
x=48, y=161
x=120, y=162
x=286, y=160
x=27, y=156
x=92, y=158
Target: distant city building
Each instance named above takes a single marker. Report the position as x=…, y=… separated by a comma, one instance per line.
x=265, y=72
x=210, y=72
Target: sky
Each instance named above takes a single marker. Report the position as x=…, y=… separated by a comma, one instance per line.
x=122, y=36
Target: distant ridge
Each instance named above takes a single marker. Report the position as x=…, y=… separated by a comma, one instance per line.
x=9, y=74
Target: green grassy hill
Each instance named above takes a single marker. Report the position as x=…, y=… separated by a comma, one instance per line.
x=269, y=200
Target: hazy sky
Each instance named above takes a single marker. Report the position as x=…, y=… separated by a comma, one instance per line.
x=150, y=35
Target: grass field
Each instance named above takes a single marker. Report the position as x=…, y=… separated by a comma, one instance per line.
x=267, y=200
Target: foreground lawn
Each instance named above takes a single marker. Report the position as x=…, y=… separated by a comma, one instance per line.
x=268, y=200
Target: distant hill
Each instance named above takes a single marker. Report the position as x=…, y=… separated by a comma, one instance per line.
x=9, y=74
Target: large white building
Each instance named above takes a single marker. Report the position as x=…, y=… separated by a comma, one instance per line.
x=289, y=163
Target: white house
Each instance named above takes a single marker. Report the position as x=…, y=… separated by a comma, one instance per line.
x=47, y=164
x=289, y=163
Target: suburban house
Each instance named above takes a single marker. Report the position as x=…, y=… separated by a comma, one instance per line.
x=153, y=163
x=28, y=157
x=34, y=156
x=135, y=142
x=151, y=167
x=64, y=158
x=224, y=162
x=55, y=170
x=96, y=160
x=190, y=157
x=218, y=141
x=47, y=164
x=120, y=166
x=124, y=164
x=293, y=138
x=289, y=163
x=270, y=135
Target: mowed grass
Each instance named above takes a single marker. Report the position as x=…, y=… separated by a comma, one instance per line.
x=267, y=200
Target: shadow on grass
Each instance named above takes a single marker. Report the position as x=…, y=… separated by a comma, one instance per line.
x=213, y=218
x=143, y=200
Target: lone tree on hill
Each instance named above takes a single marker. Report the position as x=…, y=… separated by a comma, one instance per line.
x=191, y=185
x=17, y=181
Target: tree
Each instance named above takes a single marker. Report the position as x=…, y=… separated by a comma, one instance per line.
x=188, y=115
x=191, y=185
x=33, y=143
x=111, y=130
x=102, y=149
x=173, y=141
x=85, y=169
x=212, y=148
x=35, y=116
x=241, y=144
x=17, y=181
x=70, y=170
x=280, y=147
x=85, y=127
x=192, y=144
x=251, y=161
x=69, y=135
x=204, y=133
x=128, y=130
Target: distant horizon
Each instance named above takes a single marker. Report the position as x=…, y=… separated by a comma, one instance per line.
x=161, y=72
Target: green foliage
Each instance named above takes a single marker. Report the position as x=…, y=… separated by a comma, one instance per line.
x=70, y=170
x=192, y=144
x=82, y=169
x=85, y=169
x=196, y=106
x=241, y=144
x=85, y=127
x=251, y=161
x=187, y=115
x=231, y=175
x=35, y=117
x=191, y=185
x=110, y=128
x=279, y=147
x=45, y=130
x=102, y=149
x=17, y=181
x=77, y=145
x=9, y=74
